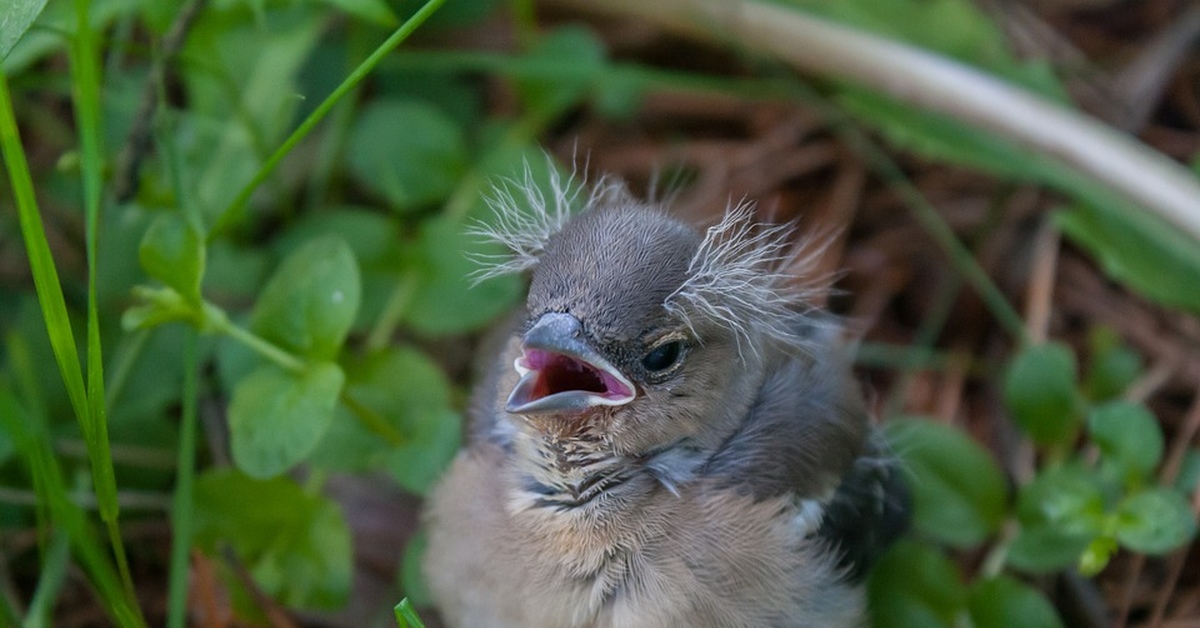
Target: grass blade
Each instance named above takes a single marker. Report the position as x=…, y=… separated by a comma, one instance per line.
x=181, y=509
x=54, y=573
x=85, y=87
x=41, y=262
x=31, y=434
x=234, y=211
x=406, y=615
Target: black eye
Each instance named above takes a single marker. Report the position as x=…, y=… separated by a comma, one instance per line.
x=663, y=356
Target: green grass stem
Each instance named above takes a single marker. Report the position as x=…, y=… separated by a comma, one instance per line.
x=181, y=509
x=85, y=88
x=233, y=212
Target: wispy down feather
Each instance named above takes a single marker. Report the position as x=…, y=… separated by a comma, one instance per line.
x=525, y=217
x=743, y=277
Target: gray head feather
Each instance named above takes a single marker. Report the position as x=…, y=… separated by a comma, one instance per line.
x=742, y=277
x=525, y=233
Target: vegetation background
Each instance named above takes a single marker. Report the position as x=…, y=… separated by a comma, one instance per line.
x=237, y=326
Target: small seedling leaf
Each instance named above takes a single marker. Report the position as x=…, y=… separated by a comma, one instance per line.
x=1040, y=391
x=295, y=544
x=1155, y=521
x=173, y=252
x=915, y=586
x=1043, y=548
x=445, y=301
x=310, y=302
x=959, y=493
x=408, y=152
x=15, y=19
x=276, y=418
x=1128, y=436
x=1002, y=602
x=1112, y=367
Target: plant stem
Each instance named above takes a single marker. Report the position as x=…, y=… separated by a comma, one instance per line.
x=234, y=211
x=181, y=508
x=261, y=346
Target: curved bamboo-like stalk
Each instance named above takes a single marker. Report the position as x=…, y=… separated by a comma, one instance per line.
x=935, y=83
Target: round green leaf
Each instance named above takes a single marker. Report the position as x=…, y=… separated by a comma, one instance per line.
x=1039, y=389
x=276, y=418
x=1155, y=521
x=371, y=235
x=1128, y=436
x=915, y=586
x=1067, y=497
x=408, y=152
x=408, y=391
x=310, y=302
x=416, y=464
x=445, y=301
x=1002, y=602
x=959, y=494
x=1189, y=472
x=172, y=251
x=570, y=58
x=1112, y=367
x=1043, y=548
x=296, y=545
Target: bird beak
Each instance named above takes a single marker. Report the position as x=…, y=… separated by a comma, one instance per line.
x=560, y=371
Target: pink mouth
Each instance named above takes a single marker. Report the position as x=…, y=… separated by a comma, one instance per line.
x=558, y=373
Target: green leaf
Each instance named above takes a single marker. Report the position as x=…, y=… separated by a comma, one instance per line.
x=297, y=546
x=1138, y=249
x=578, y=56
x=1096, y=555
x=241, y=99
x=406, y=615
x=408, y=152
x=915, y=586
x=310, y=302
x=412, y=576
x=374, y=11
x=1043, y=548
x=371, y=235
x=15, y=19
x=1113, y=366
x=959, y=494
x=276, y=418
x=1128, y=436
x=1155, y=521
x=956, y=28
x=1039, y=390
x=1061, y=512
x=1189, y=472
x=417, y=464
x=1002, y=602
x=1067, y=497
x=445, y=301
x=173, y=252
x=410, y=392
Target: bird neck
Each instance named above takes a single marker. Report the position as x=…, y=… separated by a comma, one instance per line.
x=569, y=471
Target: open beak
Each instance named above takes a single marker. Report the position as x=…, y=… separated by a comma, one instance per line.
x=560, y=371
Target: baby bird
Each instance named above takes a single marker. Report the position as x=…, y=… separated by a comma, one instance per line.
x=669, y=437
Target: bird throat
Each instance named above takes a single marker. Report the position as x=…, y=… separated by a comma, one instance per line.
x=570, y=465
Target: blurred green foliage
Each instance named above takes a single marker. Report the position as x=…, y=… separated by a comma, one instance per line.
x=315, y=307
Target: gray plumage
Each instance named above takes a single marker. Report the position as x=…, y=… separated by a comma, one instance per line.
x=671, y=447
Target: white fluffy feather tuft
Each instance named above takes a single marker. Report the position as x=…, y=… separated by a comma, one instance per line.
x=525, y=217
x=743, y=278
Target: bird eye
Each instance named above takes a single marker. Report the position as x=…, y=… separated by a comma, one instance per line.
x=663, y=356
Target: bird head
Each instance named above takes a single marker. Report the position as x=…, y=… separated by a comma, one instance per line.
x=642, y=332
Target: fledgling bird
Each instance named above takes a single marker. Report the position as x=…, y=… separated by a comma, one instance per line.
x=669, y=436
